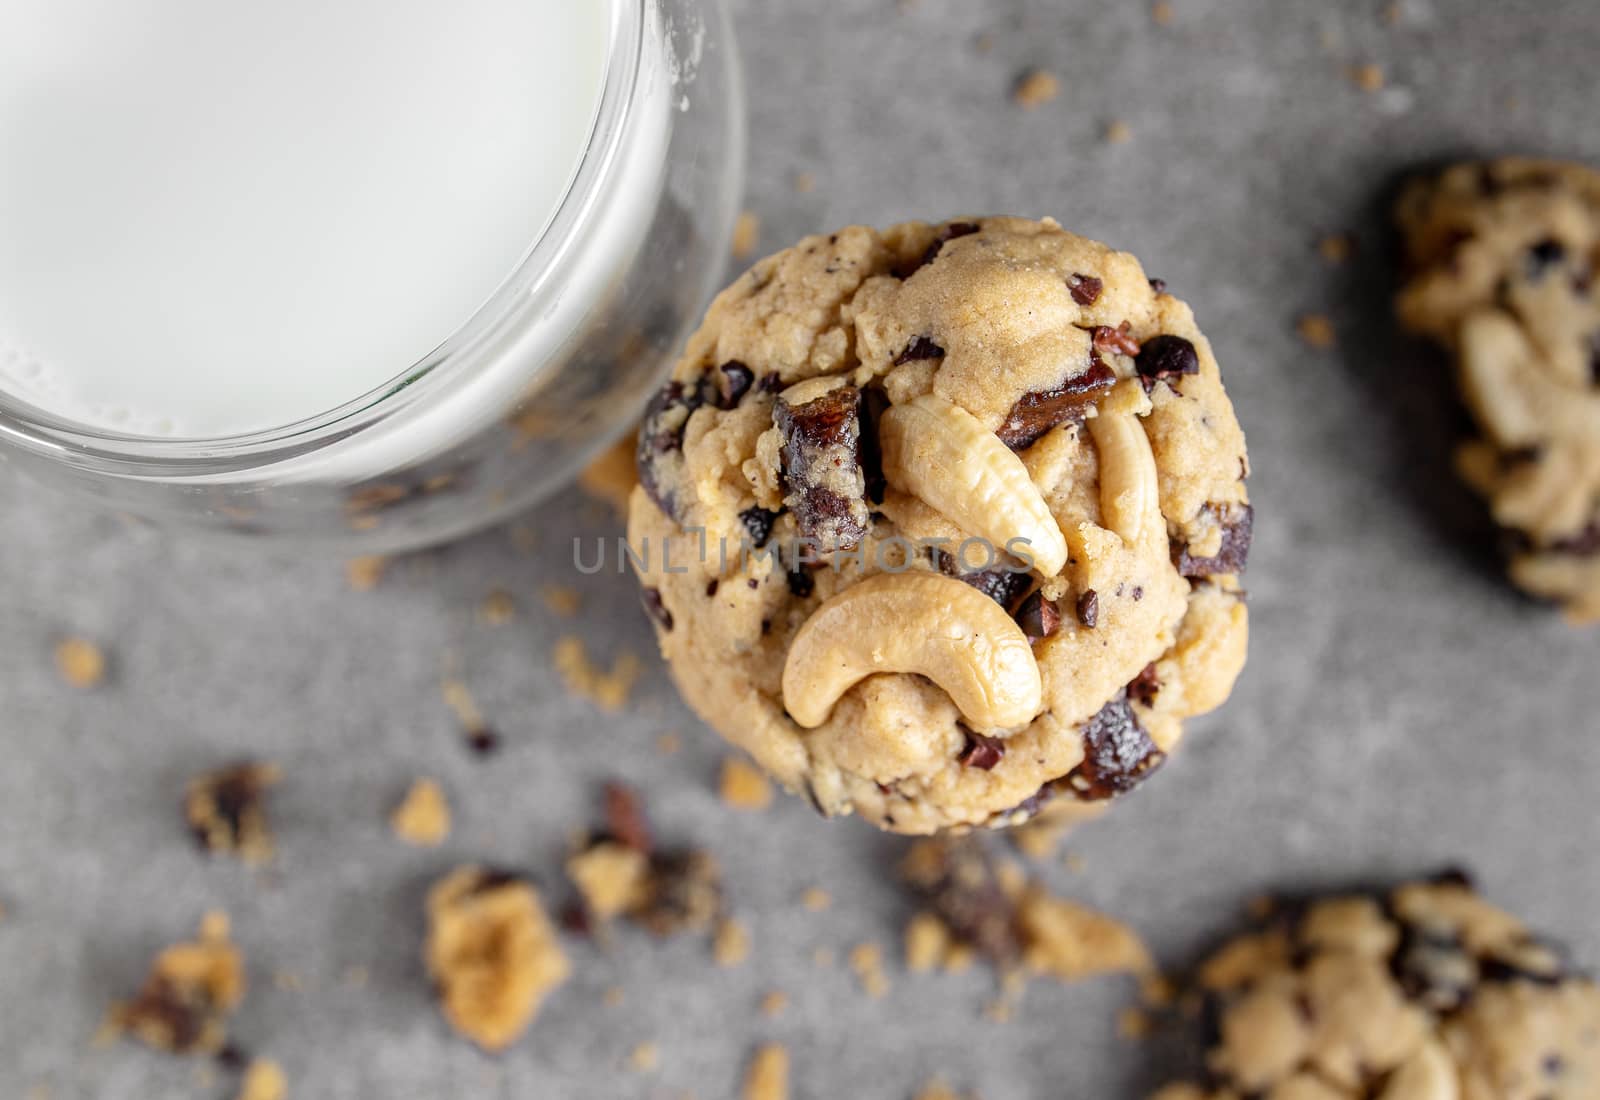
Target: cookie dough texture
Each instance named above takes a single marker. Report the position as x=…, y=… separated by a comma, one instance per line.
x=1502, y=262
x=992, y=465
x=1425, y=993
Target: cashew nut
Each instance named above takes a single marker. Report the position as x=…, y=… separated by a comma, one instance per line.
x=915, y=622
x=1129, y=489
x=944, y=455
x=1426, y=1075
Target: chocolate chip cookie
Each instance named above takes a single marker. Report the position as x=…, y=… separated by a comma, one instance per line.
x=943, y=522
x=1427, y=992
x=1503, y=259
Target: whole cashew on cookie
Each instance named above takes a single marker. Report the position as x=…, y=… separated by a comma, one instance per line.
x=925, y=623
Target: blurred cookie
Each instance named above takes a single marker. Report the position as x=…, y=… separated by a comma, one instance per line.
x=944, y=522
x=1502, y=259
x=1425, y=993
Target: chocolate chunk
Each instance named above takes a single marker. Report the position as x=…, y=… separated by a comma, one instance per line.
x=683, y=893
x=1237, y=521
x=918, y=349
x=1165, y=357
x=1004, y=586
x=1089, y=608
x=801, y=583
x=771, y=382
x=1038, y=617
x=656, y=608
x=660, y=448
x=1543, y=256
x=758, y=523
x=726, y=386
x=873, y=405
x=1158, y=285
x=1434, y=969
x=1085, y=289
x=1118, y=754
x=1145, y=686
x=624, y=817
x=822, y=468
x=961, y=886
x=945, y=235
x=1114, y=341
x=982, y=752
x=1036, y=413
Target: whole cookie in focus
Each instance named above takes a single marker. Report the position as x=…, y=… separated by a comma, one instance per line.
x=1425, y=993
x=1503, y=262
x=944, y=522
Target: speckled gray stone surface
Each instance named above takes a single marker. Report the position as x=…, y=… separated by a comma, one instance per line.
x=1402, y=709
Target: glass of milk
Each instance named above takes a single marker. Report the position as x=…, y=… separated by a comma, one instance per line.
x=378, y=272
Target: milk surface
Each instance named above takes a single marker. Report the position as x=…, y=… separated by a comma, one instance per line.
x=220, y=216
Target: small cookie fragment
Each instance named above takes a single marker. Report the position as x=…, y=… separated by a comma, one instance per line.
x=746, y=235
x=227, y=810
x=1036, y=88
x=1316, y=330
x=492, y=952
x=608, y=689
x=731, y=945
x=1426, y=992
x=80, y=662
x=866, y=960
x=768, y=1075
x=264, y=1080
x=620, y=872
x=1502, y=273
x=191, y=990
x=423, y=816
x=365, y=573
x=743, y=786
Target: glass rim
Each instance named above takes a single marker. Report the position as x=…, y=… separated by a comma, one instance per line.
x=518, y=296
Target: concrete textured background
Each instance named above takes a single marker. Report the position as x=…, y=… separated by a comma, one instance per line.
x=1403, y=709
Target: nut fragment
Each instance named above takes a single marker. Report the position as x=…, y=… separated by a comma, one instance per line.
x=942, y=454
x=1129, y=489
x=914, y=622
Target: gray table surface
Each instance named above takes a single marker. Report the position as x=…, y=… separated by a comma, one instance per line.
x=1402, y=709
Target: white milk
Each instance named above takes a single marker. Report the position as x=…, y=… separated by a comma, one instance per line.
x=220, y=216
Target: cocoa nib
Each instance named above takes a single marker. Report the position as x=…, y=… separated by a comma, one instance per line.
x=656, y=608
x=1118, y=754
x=1114, y=341
x=758, y=524
x=959, y=883
x=801, y=583
x=1164, y=358
x=1085, y=289
x=624, y=817
x=1237, y=521
x=982, y=752
x=1038, y=617
x=920, y=348
x=660, y=448
x=946, y=234
x=1036, y=413
x=822, y=468
x=1089, y=608
x=1145, y=686
x=1004, y=586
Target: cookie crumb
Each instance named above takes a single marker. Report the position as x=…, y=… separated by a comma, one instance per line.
x=805, y=183
x=613, y=997
x=608, y=690
x=187, y=996
x=743, y=786
x=611, y=476
x=816, y=899
x=731, y=945
x=937, y=1090
x=768, y=1075
x=645, y=1057
x=264, y=1080
x=561, y=600
x=1035, y=88
x=423, y=816
x=927, y=943
x=80, y=663
x=492, y=953
x=1118, y=132
x=1161, y=13
x=669, y=744
x=1336, y=248
x=774, y=1004
x=226, y=810
x=1368, y=77
x=746, y=235
x=365, y=573
x=1316, y=330
x=498, y=608
x=867, y=961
